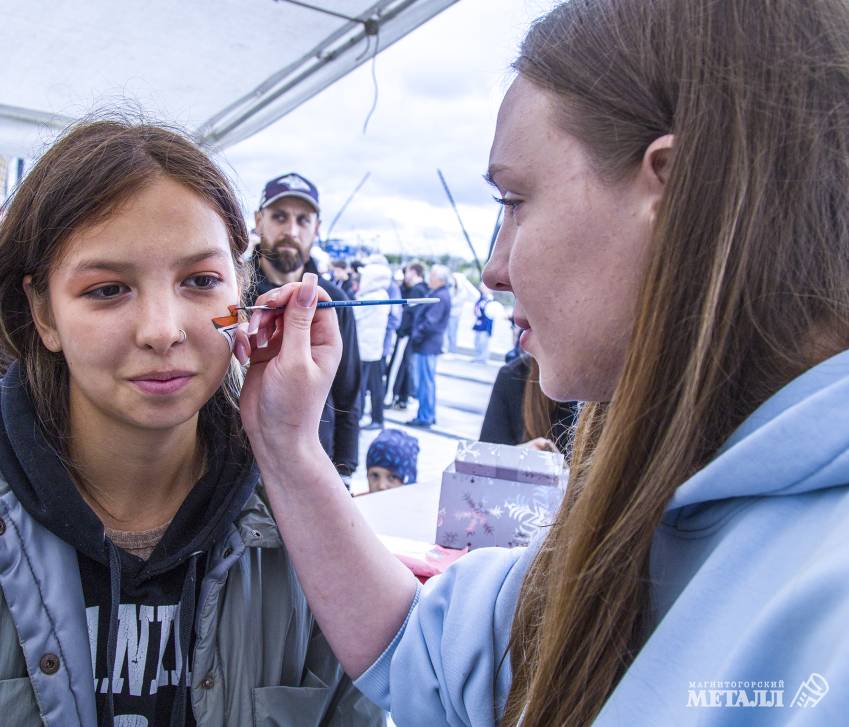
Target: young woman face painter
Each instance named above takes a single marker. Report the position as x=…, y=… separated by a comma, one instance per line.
x=676, y=174
x=143, y=579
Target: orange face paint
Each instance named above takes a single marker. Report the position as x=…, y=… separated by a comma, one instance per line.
x=227, y=325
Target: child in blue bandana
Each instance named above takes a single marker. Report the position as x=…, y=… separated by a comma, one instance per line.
x=391, y=460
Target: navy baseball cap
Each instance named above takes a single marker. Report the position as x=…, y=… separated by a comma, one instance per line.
x=289, y=185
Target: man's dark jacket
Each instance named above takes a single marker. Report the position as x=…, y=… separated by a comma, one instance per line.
x=430, y=322
x=339, y=430
x=418, y=290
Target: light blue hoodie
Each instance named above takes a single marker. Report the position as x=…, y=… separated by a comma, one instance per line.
x=750, y=581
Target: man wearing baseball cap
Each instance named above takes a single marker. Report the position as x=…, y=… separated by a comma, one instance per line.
x=287, y=222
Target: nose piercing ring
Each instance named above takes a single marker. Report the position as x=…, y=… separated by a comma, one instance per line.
x=183, y=335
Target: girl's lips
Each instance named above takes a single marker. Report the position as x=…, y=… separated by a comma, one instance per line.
x=162, y=386
x=523, y=338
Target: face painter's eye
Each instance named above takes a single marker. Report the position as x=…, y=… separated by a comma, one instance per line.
x=204, y=281
x=511, y=204
x=106, y=292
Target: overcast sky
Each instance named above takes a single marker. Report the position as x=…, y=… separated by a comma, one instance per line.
x=439, y=92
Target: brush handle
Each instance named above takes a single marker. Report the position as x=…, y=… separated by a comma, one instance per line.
x=351, y=303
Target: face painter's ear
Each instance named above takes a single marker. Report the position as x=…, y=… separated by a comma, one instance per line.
x=39, y=308
x=654, y=171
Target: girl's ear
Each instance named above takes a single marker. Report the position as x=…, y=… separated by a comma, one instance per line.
x=39, y=308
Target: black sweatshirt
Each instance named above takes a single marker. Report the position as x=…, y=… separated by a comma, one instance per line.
x=143, y=610
x=502, y=423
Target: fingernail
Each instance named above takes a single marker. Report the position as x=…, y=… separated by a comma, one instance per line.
x=307, y=291
x=253, y=325
x=261, y=338
x=240, y=352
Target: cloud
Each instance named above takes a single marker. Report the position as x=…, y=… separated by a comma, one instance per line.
x=438, y=95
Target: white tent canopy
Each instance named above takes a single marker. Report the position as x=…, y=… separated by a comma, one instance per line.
x=222, y=69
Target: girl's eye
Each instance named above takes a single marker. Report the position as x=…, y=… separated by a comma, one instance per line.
x=106, y=292
x=203, y=282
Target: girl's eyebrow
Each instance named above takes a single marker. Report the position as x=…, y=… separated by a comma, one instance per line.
x=114, y=266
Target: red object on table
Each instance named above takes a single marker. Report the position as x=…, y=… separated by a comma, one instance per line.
x=425, y=560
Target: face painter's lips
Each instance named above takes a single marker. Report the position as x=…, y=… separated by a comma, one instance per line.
x=526, y=331
x=162, y=382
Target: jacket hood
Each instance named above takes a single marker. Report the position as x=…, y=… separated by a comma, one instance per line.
x=43, y=485
x=795, y=442
x=374, y=277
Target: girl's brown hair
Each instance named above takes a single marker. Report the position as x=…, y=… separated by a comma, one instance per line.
x=747, y=286
x=85, y=175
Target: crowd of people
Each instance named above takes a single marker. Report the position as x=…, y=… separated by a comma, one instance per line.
x=177, y=543
x=390, y=352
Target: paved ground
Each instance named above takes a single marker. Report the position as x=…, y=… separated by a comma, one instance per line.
x=462, y=391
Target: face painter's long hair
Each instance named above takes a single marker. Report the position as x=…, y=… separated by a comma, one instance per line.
x=93, y=168
x=746, y=286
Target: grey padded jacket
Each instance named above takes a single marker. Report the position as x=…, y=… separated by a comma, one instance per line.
x=259, y=658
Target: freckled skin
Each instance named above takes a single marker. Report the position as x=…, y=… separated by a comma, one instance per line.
x=571, y=247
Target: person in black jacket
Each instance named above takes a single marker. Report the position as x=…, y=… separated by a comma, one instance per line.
x=429, y=325
x=287, y=223
x=405, y=384
x=519, y=413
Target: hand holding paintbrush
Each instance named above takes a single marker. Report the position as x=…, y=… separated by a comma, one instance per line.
x=294, y=350
x=229, y=325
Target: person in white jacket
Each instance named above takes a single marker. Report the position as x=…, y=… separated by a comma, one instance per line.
x=371, y=332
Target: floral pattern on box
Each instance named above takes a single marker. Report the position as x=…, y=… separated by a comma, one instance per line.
x=477, y=511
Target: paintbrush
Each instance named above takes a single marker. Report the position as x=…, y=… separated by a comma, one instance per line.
x=347, y=303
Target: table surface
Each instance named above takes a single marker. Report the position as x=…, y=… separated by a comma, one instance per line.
x=408, y=511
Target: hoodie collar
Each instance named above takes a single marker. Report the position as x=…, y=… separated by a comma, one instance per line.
x=797, y=441
x=42, y=484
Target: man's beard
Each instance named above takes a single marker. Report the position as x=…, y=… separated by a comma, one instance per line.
x=284, y=258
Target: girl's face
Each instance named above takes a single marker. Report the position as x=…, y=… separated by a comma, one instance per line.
x=571, y=247
x=118, y=298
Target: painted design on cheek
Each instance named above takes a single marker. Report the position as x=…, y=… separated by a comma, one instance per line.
x=227, y=325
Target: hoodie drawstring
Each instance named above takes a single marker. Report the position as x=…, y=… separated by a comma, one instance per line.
x=112, y=638
x=187, y=622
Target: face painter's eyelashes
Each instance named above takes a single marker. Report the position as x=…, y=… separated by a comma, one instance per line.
x=511, y=204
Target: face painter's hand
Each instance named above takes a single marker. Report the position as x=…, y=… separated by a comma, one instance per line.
x=294, y=354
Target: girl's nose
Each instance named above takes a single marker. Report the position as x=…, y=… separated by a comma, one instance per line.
x=159, y=328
